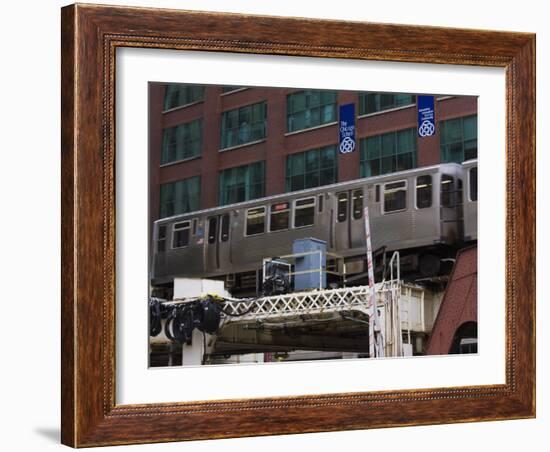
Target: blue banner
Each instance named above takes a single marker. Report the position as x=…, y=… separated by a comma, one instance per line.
x=426, y=116
x=347, y=128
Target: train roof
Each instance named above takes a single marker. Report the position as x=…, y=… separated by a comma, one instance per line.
x=310, y=191
x=469, y=163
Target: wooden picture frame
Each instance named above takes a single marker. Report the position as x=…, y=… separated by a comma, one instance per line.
x=90, y=37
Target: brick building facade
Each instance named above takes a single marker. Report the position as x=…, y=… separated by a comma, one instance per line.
x=207, y=144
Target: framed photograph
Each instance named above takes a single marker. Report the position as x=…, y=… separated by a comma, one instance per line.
x=282, y=225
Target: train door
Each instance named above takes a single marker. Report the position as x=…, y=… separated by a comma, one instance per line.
x=449, y=198
x=159, y=249
x=341, y=221
x=224, y=242
x=357, y=223
x=470, y=205
x=348, y=220
x=459, y=202
x=211, y=258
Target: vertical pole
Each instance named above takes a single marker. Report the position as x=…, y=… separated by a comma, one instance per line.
x=376, y=349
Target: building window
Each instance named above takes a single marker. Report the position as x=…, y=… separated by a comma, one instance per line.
x=228, y=89
x=387, y=153
x=375, y=102
x=395, y=196
x=242, y=183
x=459, y=139
x=180, y=197
x=243, y=125
x=311, y=168
x=306, y=109
x=423, y=192
x=181, y=142
x=179, y=95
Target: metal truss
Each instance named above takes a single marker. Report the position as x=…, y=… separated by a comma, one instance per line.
x=309, y=303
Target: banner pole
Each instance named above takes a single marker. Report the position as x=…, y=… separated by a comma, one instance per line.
x=376, y=348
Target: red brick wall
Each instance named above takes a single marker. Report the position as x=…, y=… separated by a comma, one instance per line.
x=459, y=303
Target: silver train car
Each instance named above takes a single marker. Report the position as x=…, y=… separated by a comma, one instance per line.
x=470, y=200
x=418, y=212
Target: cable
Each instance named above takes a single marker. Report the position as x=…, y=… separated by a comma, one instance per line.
x=184, y=315
x=155, y=316
x=180, y=324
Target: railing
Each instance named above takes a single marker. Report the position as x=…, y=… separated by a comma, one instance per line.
x=307, y=303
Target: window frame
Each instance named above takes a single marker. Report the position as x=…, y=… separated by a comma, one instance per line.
x=385, y=110
x=416, y=191
x=363, y=152
x=209, y=235
x=450, y=193
x=163, y=239
x=175, y=229
x=185, y=126
x=347, y=202
x=318, y=171
x=352, y=204
x=383, y=196
x=174, y=200
x=187, y=104
x=443, y=124
x=235, y=89
x=248, y=184
x=223, y=131
x=271, y=212
x=246, y=234
x=223, y=216
x=320, y=106
x=295, y=208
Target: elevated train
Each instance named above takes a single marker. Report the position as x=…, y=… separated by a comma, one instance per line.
x=426, y=213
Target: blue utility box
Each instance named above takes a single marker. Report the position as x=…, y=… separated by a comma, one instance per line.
x=315, y=264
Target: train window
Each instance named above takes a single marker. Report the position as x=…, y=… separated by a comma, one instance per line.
x=423, y=192
x=447, y=190
x=304, y=212
x=473, y=184
x=321, y=199
x=212, y=228
x=255, y=221
x=395, y=196
x=195, y=226
x=377, y=193
x=280, y=216
x=224, y=228
x=161, y=239
x=180, y=237
x=357, y=204
x=342, y=207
